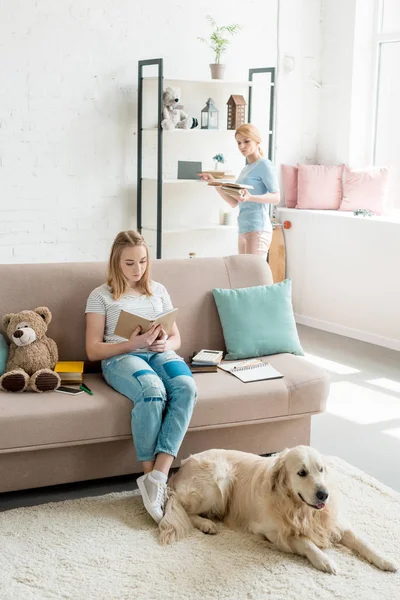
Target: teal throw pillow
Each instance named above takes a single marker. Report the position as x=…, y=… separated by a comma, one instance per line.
x=258, y=321
x=3, y=354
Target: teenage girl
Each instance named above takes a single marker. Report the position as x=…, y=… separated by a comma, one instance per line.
x=255, y=229
x=145, y=368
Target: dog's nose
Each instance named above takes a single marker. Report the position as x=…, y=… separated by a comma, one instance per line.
x=19, y=333
x=176, y=99
x=322, y=495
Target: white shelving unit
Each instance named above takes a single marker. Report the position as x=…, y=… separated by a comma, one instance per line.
x=182, y=216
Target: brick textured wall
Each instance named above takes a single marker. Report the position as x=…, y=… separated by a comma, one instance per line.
x=68, y=109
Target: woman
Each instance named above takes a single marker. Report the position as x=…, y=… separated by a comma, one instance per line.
x=255, y=229
x=144, y=368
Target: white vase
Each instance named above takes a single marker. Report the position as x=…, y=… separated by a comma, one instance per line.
x=228, y=218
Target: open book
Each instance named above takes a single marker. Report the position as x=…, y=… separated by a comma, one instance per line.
x=231, y=185
x=127, y=323
x=253, y=369
x=232, y=189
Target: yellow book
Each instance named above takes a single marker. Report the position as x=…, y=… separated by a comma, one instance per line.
x=66, y=366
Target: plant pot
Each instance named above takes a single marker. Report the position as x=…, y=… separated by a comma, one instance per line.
x=217, y=71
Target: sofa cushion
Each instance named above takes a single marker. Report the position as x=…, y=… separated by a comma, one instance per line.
x=258, y=320
x=31, y=420
x=3, y=354
x=365, y=189
x=319, y=186
x=289, y=184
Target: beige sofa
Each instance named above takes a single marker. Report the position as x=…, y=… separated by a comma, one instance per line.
x=52, y=438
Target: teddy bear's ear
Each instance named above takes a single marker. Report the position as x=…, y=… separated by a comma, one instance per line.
x=6, y=320
x=44, y=312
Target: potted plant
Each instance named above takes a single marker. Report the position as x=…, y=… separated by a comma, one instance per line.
x=219, y=41
x=218, y=160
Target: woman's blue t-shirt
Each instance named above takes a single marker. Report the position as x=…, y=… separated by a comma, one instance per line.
x=254, y=216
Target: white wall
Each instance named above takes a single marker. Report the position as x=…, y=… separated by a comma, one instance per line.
x=68, y=108
x=297, y=94
x=347, y=86
x=344, y=274
x=343, y=267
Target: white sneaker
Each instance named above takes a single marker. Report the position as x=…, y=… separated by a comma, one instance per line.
x=153, y=494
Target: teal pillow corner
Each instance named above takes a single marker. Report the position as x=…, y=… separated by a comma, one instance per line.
x=3, y=354
x=258, y=321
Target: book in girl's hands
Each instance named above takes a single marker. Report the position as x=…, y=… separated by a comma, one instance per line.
x=231, y=185
x=128, y=322
x=253, y=369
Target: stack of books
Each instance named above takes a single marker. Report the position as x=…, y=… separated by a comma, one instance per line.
x=70, y=372
x=206, y=361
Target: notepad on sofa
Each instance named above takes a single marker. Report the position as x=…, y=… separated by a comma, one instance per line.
x=128, y=322
x=251, y=370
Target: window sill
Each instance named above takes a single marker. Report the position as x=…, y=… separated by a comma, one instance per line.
x=392, y=217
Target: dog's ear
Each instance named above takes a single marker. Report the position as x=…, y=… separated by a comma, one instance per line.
x=278, y=475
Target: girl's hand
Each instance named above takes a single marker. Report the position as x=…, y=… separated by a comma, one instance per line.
x=206, y=177
x=245, y=196
x=161, y=343
x=144, y=340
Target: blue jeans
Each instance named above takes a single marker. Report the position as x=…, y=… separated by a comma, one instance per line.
x=162, y=388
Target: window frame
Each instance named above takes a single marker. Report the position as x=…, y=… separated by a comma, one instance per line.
x=380, y=39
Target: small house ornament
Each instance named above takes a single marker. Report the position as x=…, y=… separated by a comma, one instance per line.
x=236, y=112
x=209, y=115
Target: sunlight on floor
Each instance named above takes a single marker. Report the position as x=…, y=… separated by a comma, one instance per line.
x=392, y=432
x=387, y=384
x=362, y=405
x=330, y=365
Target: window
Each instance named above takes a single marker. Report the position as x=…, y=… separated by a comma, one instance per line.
x=387, y=117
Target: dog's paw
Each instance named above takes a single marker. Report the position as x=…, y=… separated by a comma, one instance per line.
x=209, y=527
x=385, y=565
x=324, y=563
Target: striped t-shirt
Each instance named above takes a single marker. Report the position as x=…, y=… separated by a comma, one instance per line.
x=100, y=301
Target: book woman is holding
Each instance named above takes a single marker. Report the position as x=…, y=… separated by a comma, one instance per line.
x=145, y=368
x=255, y=229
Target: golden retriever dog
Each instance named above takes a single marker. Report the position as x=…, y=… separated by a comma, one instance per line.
x=286, y=498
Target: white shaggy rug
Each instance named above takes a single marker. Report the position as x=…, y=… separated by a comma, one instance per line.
x=105, y=548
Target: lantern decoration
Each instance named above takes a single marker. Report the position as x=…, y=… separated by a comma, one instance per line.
x=236, y=112
x=209, y=115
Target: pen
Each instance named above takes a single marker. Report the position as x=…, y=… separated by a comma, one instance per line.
x=85, y=388
x=249, y=364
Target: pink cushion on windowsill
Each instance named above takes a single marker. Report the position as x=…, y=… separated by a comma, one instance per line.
x=289, y=184
x=319, y=186
x=365, y=189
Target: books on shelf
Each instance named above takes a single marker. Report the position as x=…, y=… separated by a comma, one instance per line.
x=128, y=322
x=70, y=371
x=252, y=369
x=220, y=174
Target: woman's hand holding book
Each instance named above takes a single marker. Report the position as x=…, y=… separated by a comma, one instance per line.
x=144, y=340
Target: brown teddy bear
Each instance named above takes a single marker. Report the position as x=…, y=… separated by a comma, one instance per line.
x=32, y=355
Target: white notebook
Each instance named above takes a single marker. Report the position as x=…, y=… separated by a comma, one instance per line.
x=251, y=370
